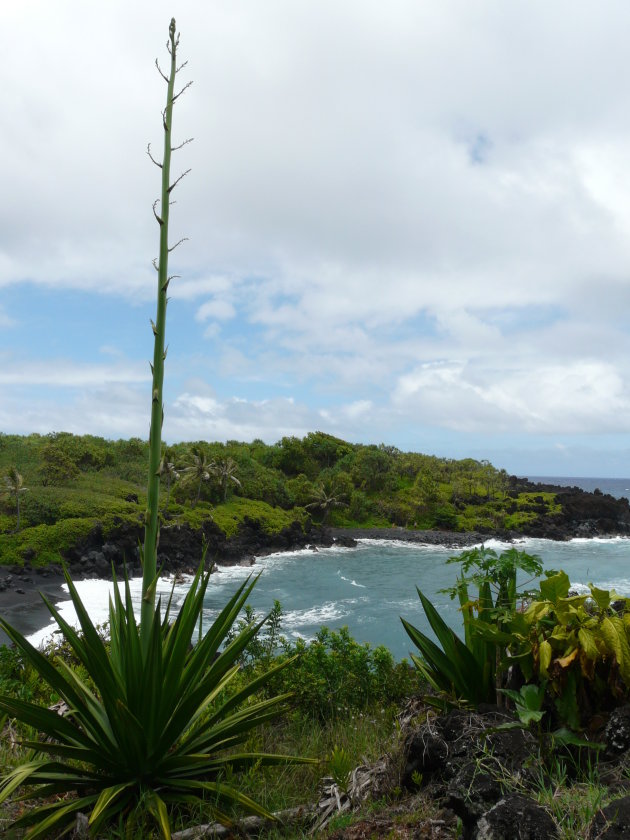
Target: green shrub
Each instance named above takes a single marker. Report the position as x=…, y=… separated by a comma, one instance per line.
x=230, y=515
x=334, y=673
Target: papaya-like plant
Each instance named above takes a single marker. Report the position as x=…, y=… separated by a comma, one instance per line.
x=578, y=644
x=151, y=723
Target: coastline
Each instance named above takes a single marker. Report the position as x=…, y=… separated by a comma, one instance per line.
x=449, y=539
x=21, y=604
x=21, y=587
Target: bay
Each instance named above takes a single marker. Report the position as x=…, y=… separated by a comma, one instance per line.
x=369, y=587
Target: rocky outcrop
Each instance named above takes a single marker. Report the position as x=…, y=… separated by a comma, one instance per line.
x=516, y=817
x=466, y=763
x=182, y=547
x=448, y=539
x=582, y=514
x=612, y=822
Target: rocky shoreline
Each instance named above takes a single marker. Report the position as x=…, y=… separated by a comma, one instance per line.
x=182, y=547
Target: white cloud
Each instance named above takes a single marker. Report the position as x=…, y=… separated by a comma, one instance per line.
x=379, y=230
x=221, y=310
x=66, y=374
x=572, y=399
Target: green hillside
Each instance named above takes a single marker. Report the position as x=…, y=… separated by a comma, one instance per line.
x=71, y=483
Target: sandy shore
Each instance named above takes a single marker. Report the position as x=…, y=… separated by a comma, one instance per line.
x=21, y=604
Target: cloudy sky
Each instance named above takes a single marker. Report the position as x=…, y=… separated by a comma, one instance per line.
x=408, y=222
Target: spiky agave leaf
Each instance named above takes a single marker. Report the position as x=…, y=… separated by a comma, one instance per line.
x=151, y=727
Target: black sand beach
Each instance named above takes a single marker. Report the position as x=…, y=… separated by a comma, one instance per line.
x=21, y=604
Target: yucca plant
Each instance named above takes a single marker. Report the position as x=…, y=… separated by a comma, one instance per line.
x=152, y=722
x=154, y=728
x=453, y=668
x=470, y=670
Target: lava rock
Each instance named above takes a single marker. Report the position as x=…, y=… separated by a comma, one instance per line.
x=617, y=733
x=346, y=542
x=471, y=791
x=612, y=822
x=515, y=817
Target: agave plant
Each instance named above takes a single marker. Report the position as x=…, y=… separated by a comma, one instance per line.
x=453, y=668
x=154, y=728
x=471, y=669
x=151, y=724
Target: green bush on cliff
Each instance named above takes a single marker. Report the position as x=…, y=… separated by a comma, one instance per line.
x=230, y=515
x=46, y=544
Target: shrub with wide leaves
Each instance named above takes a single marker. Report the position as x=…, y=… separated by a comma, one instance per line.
x=154, y=727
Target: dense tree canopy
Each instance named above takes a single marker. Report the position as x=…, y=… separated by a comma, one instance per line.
x=75, y=481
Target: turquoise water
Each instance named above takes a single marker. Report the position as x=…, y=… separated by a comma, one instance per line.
x=368, y=588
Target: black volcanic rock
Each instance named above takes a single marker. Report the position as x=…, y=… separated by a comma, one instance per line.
x=181, y=547
x=582, y=514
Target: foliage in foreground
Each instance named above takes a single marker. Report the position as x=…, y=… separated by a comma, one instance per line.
x=572, y=649
x=332, y=674
x=472, y=669
x=150, y=730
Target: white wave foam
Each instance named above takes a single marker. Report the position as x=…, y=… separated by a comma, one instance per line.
x=368, y=542
x=230, y=574
x=301, y=552
x=499, y=545
x=350, y=581
x=95, y=595
x=321, y=614
x=619, y=585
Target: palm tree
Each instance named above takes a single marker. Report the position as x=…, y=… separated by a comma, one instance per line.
x=198, y=469
x=325, y=499
x=225, y=470
x=169, y=473
x=14, y=485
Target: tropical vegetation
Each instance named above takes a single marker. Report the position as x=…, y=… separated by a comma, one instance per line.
x=567, y=649
x=319, y=477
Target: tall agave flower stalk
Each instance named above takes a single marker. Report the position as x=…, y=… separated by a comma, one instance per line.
x=152, y=532
x=153, y=726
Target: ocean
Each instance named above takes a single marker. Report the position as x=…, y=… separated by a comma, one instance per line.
x=617, y=487
x=370, y=587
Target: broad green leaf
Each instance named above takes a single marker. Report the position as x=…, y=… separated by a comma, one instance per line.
x=555, y=587
x=532, y=696
x=565, y=737
x=613, y=631
x=527, y=716
x=587, y=641
x=602, y=597
x=536, y=611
